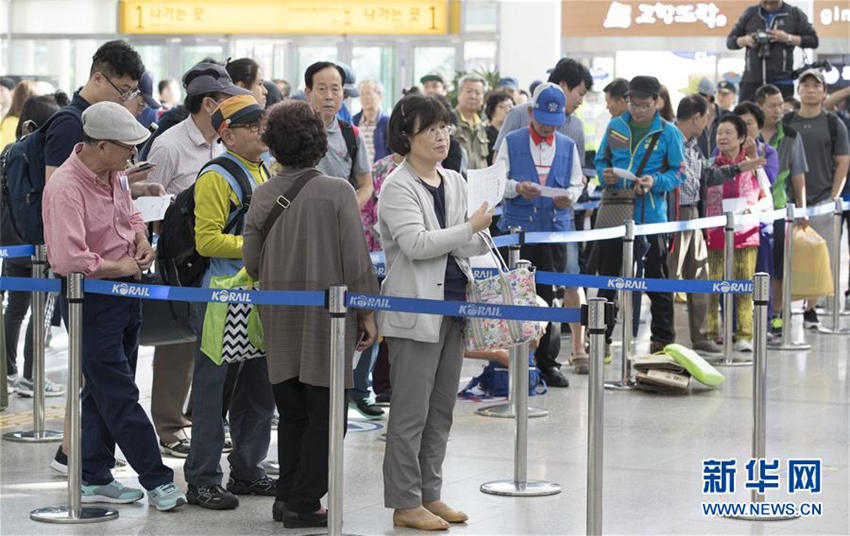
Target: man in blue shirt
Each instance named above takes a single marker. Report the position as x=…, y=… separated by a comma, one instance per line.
x=624, y=145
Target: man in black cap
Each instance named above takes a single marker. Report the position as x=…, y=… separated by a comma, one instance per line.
x=178, y=155
x=626, y=142
x=433, y=84
x=726, y=93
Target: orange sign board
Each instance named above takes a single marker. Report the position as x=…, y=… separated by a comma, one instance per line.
x=662, y=18
x=832, y=19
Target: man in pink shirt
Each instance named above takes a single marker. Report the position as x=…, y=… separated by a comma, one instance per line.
x=91, y=226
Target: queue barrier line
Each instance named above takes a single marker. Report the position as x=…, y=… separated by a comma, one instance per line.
x=303, y=298
x=11, y=252
x=639, y=284
x=378, y=302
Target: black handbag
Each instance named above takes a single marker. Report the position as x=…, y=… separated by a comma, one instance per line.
x=618, y=204
x=164, y=321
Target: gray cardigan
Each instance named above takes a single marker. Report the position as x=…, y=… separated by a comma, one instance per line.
x=417, y=248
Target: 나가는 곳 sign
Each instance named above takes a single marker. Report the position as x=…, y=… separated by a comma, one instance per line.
x=412, y=17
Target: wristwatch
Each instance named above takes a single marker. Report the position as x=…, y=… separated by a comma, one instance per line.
x=790, y=39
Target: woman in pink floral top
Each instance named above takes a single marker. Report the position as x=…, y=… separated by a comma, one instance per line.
x=381, y=169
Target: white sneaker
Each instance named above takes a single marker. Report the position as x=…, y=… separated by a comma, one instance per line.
x=25, y=388
x=743, y=346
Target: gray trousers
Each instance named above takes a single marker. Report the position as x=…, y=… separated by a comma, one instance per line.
x=689, y=260
x=425, y=379
x=251, y=408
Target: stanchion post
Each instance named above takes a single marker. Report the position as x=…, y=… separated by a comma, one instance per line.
x=835, y=254
x=38, y=434
x=729, y=299
x=761, y=295
x=505, y=410
x=786, y=342
x=337, y=310
x=520, y=486
x=74, y=512
x=596, y=332
x=625, y=382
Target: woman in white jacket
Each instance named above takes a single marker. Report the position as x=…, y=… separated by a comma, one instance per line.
x=427, y=240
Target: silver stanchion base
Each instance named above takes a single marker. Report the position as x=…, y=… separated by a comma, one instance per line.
x=30, y=436
x=833, y=331
x=530, y=488
x=763, y=518
x=620, y=385
x=62, y=514
x=794, y=346
x=506, y=411
x=732, y=363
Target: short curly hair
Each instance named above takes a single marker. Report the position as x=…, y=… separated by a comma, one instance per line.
x=295, y=135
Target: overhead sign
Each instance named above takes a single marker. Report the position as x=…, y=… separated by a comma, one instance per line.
x=635, y=18
x=280, y=17
x=832, y=18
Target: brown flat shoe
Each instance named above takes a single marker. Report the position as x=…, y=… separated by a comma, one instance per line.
x=432, y=522
x=446, y=512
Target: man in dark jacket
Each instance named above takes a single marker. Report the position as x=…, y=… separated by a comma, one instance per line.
x=769, y=32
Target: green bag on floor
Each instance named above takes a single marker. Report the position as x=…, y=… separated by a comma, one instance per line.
x=696, y=366
x=232, y=331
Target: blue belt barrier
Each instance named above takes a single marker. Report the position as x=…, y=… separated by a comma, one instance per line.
x=11, y=252
x=465, y=309
x=26, y=284
x=688, y=286
x=306, y=298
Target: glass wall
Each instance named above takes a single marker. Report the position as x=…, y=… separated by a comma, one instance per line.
x=439, y=59
x=376, y=63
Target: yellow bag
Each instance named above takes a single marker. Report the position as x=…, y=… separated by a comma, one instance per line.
x=811, y=275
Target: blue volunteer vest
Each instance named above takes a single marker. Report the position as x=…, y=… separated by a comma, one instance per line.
x=539, y=214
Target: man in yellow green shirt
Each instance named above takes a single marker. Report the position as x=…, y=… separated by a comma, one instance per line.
x=471, y=131
x=221, y=201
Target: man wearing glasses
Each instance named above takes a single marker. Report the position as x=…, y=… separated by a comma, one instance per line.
x=114, y=77
x=92, y=227
x=220, y=205
x=179, y=154
x=641, y=142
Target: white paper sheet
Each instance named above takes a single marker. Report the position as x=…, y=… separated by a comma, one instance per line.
x=486, y=184
x=624, y=174
x=735, y=204
x=153, y=207
x=549, y=191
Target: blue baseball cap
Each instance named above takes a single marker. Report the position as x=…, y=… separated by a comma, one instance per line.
x=548, y=105
x=146, y=89
x=509, y=81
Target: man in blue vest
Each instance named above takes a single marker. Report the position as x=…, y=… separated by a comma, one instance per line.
x=624, y=145
x=540, y=156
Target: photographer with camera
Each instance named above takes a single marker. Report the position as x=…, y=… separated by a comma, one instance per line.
x=769, y=32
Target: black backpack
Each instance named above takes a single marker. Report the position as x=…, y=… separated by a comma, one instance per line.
x=22, y=179
x=178, y=262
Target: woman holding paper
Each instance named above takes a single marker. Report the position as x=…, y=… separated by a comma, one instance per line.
x=427, y=240
x=744, y=194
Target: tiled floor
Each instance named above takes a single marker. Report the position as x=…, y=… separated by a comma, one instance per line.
x=654, y=447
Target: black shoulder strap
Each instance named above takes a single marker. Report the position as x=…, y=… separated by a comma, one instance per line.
x=238, y=173
x=652, y=143
x=351, y=143
x=786, y=119
x=284, y=201
x=832, y=123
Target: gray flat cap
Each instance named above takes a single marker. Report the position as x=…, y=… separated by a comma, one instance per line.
x=112, y=122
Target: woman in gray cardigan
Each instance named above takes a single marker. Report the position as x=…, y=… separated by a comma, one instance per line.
x=316, y=242
x=427, y=240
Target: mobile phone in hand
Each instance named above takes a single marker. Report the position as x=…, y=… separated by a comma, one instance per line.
x=142, y=166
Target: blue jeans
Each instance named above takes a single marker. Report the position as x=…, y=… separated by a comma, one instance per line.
x=363, y=373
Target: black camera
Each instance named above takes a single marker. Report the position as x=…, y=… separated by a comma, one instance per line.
x=762, y=39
